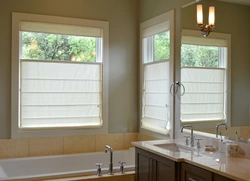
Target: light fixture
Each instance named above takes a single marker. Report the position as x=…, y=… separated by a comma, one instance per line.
x=205, y=29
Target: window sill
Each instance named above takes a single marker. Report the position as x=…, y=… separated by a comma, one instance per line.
x=154, y=134
x=31, y=133
x=208, y=124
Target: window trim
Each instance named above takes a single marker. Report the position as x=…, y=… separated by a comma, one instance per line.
x=213, y=123
x=15, y=69
x=158, y=20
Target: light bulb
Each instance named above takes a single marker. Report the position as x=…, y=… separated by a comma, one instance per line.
x=199, y=14
x=211, y=18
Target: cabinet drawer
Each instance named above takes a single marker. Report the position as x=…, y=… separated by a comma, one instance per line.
x=193, y=173
x=221, y=178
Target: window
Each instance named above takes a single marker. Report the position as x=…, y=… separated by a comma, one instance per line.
x=156, y=102
x=60, y=84
x=205, y=76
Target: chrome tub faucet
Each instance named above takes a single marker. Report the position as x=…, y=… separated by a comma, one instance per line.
x=109, y=148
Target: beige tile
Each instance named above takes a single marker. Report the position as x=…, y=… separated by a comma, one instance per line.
x=115, y=178
x=45, y=146
x=14, y=148
x=211, y=130
x=79, y=144
x=143, y=137
x=132, y=178
x=231, y=132
x=245, y=132
x=130, y=137
x=116, y=141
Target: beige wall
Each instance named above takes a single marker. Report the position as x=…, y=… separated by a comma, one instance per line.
x=122, y=17
x=232, y=19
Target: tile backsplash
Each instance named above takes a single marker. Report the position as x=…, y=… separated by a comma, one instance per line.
x=28, y=147
x=243, y=132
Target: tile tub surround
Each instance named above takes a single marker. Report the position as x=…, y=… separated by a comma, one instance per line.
x=28, y=147
x=236, y=168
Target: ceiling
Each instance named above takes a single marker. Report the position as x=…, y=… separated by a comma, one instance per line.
x=244, y=2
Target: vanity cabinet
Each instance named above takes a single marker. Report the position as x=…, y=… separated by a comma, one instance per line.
x=152, y=167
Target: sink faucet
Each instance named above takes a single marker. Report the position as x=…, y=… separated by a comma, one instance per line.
x=192, y=135
x=217, y=127
x=109, y=148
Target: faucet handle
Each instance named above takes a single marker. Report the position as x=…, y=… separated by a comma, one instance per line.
x=122, y=163
x=99, y=165
x=186, y=136
x=99, y=169
x=121, y=166
x=198, y=142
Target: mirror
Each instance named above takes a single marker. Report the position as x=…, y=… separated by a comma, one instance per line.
x=233, y=19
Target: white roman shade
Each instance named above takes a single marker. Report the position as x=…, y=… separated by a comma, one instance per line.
x=204, y=94
x=156, y=104
x=156, y=29
x=201, y=41
x=60, y=94
x=62, y=29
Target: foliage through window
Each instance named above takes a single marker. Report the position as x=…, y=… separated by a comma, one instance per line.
x=162, y=46
x=44, y=46
x=199, y=56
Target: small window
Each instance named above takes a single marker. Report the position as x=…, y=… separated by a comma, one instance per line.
x=60, y=82
x=156, y=74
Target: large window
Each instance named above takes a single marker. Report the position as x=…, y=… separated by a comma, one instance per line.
x=205, y=76
x=60, y=80
x=156, y=104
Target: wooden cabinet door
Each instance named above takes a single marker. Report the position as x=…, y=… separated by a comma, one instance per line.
x=164, y=171
x=151, y=167
x=143, y=165
x=193, y=173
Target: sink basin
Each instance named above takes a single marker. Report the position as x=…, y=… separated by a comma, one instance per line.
x=173, y=147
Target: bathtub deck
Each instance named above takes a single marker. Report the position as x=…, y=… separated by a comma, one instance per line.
x=127, y=176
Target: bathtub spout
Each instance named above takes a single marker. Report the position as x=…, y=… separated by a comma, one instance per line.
x=109, y=148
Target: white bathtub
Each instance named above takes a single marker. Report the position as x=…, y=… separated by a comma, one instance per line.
x=33, y=168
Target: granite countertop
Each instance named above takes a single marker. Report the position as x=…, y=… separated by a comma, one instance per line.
x=236, y=168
